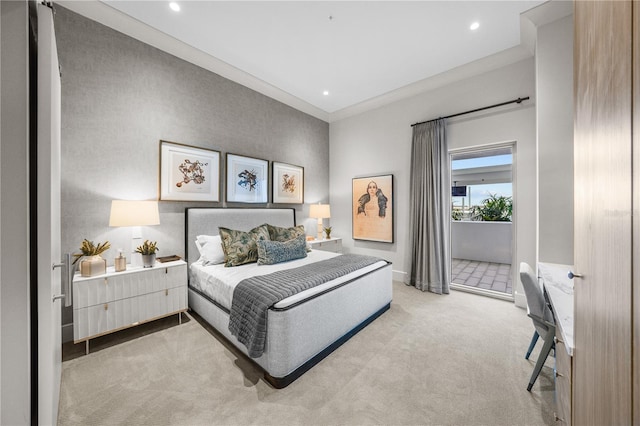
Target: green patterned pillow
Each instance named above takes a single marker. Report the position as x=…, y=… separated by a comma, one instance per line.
x=277, y=233
x=272, y=252
x=239, y=246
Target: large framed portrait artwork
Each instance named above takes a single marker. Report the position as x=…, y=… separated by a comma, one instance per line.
x=372, y=208
x=189, y=173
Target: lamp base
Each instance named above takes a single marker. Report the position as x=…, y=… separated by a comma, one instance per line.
x=319, y=229
x=136, y=259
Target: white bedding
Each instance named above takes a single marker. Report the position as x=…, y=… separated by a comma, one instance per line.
x=218, y=281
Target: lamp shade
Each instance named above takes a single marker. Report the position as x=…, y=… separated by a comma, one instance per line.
x=134, y=213
x=320, y=211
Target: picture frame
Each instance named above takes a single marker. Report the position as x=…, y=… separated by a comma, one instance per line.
x=372, y=208
x=287, y=183
x=247, y=179
x=188, y=173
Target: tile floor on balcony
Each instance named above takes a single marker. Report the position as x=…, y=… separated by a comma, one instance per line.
x=486, y=275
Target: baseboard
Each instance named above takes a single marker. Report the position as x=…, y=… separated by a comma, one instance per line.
x=67, y=333
x=520, y=300
x=399, y=275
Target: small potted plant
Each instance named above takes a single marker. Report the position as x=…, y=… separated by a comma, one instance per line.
x=327, y=232
x=92, y=263
x=148, y=251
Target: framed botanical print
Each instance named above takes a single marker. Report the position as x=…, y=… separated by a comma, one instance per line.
x=372, y=208
x=188, y=173
x=247, y=179
x=288, y=183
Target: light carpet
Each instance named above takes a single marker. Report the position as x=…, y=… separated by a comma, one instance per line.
x=456, y=359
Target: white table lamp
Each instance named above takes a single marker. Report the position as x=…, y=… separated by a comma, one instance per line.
x=134, y=214
x=320, y=211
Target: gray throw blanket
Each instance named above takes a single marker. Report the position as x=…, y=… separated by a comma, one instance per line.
x=253, y=296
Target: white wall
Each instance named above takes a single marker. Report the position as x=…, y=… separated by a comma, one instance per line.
x=554, y=83
x=379, y=142
x=14, y=213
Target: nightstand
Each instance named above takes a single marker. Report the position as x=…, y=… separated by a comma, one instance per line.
x=331, y=244
x=106, y=303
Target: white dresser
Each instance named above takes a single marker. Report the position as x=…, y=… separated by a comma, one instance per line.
x=114, y=301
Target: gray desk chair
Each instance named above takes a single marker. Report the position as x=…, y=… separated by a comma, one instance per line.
x=540, y=312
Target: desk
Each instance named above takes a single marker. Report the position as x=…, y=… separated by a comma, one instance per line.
x=559, y=289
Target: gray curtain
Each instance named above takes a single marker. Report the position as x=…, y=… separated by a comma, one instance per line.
x=430, y=217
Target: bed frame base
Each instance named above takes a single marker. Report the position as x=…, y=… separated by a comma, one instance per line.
x=301, y=335
x=282, y=382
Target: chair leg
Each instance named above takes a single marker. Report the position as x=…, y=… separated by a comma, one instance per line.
x=534, y=339
x=546, y=348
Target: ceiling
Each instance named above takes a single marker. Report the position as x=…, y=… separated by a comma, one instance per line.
x=358, y=51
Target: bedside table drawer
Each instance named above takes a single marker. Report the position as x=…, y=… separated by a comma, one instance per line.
x=333, y=245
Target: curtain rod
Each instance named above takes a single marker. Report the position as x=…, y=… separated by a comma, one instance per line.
x=514, y=101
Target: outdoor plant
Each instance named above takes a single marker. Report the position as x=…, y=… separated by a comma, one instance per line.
x=496, y=208
x=88, y=248
x=147, y=247
x=456, y=214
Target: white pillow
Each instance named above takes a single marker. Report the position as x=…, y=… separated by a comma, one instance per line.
x=210, y=248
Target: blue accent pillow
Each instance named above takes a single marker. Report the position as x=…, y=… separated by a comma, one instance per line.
x=272, y=252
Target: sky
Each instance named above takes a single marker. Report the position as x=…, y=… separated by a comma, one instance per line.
x=477, y=193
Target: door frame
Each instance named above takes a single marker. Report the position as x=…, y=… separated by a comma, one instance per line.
x=514, y=255
x=44, y=215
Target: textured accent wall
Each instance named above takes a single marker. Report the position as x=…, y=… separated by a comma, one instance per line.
x=120, y=97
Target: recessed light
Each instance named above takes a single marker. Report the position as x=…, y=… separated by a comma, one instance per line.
x=174, y=6
x=474, y=26
x=326, y=93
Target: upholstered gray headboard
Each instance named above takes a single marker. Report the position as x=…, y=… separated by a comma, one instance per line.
x=205, y=221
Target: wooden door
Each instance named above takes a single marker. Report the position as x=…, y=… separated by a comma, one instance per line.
x=603, y=197
x=48, y=229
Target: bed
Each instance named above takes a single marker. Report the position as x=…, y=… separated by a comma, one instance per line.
x=302, y=329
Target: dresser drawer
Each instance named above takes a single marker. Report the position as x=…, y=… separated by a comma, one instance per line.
x=162, y=303
x=105, y=317
x=175, y=276
x=89, y=292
